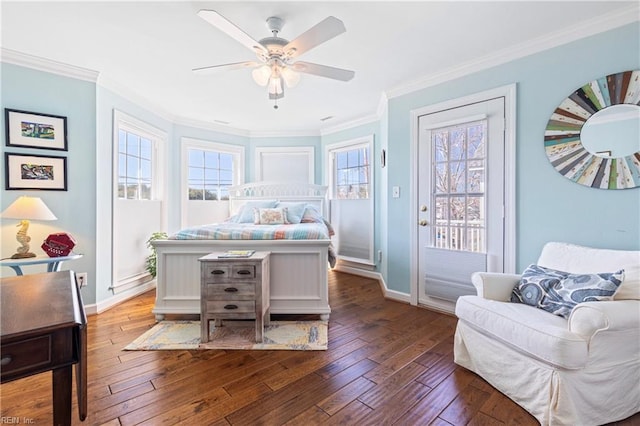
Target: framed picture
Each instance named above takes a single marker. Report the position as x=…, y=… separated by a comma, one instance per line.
x=35, y=130
x=35, y=172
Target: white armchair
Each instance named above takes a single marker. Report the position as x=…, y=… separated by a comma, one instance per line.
x=584, y=370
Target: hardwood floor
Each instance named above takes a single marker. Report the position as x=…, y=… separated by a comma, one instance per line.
x=388, y=363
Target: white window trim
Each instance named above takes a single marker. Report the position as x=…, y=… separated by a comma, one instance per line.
x=159, y=139
x=330, y=159
x=189, y=143
x=288, y=150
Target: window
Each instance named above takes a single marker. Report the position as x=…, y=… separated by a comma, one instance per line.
x=207, y=171
x=135, y=171
x=352, y=173
x=459, y=190
x=351, y=201
x=210, y=174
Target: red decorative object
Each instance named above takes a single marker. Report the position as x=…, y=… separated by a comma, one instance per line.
x=57, y=245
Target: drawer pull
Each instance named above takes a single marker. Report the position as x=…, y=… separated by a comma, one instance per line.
x=217, y=272
x=231, y=290
x=6, y=360
x=244, y=272
x=231, y=306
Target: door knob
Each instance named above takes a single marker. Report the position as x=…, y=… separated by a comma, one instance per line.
x=423, y=222
x=423, y=208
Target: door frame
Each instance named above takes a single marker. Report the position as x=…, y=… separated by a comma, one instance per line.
x=509, y=94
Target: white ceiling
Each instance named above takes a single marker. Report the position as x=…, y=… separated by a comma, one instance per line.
x=146, y=50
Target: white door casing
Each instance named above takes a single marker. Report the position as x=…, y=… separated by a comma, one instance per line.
x=439, y=275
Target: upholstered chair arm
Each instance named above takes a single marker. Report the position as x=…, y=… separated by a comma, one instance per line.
x=494, y=285
x=588, y=318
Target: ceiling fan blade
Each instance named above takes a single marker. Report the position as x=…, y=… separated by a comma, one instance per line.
x=231, y=29
x=318, y=34
x=234, y=66
x=323, y=71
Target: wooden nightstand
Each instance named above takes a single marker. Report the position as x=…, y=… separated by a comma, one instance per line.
x=234, y=288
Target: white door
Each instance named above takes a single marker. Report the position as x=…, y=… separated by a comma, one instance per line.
x=461, y=154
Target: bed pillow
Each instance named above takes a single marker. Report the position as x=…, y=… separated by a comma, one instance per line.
x=559, y=292
x=294, y=210
x=275, y=216
x=245, y=214
x=311, y=215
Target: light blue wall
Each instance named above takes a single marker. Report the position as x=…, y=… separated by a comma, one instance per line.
x=31, y=90
x=549, y=206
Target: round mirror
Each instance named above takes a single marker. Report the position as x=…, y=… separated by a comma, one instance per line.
x=593, y=136
x=613, y=132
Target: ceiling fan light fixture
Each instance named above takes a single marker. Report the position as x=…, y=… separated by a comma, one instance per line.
x=261, y=75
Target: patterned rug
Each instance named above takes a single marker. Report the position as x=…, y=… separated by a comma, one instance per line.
x=279, y=335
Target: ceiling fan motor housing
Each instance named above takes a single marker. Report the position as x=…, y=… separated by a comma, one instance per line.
x=275, y=24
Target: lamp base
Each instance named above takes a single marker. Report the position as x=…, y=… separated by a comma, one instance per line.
x=23, y=255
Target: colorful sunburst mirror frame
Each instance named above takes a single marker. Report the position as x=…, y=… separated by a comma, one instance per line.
x=600, y=167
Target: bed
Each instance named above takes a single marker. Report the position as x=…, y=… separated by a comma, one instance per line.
x=299, y=279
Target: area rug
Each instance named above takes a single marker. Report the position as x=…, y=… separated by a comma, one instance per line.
x=279, y=335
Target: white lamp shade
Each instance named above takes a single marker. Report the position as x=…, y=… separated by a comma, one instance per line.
x=290, y=77
x=30, y=208
x=261, y=75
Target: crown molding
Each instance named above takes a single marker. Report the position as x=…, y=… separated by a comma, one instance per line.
x=47, y=65
x=558, y=38
x=350, y=124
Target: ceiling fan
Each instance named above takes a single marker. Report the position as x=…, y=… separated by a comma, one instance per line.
x=276, y=65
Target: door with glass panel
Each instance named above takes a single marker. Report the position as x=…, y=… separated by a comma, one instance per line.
x=460, y=198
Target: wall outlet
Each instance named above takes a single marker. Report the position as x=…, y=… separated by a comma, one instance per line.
x=82, y=279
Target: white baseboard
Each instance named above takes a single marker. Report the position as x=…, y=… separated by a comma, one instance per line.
x=388, y=294
x=96, y=308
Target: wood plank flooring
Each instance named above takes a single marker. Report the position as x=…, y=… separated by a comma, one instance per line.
x=388, y=363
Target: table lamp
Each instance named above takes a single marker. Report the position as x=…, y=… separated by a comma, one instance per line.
x=26, y=208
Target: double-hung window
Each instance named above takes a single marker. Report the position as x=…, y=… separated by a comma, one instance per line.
x=209, y=169
x=210, y=174
x=135, y=165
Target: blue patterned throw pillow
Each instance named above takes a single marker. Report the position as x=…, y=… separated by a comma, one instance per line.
x=558, y=292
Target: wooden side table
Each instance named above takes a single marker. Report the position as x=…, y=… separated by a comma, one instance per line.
x=234, y=288
x=43, y=327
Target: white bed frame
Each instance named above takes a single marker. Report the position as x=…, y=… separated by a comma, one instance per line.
x=299, y=279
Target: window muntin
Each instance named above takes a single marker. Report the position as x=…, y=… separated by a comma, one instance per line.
x=459, y=154
x=210, y=174
x=352, y=173
x=135, y=166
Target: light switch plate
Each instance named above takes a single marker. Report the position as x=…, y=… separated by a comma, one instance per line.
x=396, y=192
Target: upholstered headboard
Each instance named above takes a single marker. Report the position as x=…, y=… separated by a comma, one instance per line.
x=281, y=191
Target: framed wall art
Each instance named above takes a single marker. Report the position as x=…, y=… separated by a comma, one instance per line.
x=35, y=130
x=35, y=172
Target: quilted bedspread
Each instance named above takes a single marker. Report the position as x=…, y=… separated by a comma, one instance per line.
x=247, y=231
